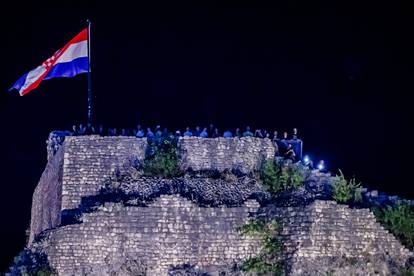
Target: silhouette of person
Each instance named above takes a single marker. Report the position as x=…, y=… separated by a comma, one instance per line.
x=247, y=133
x=216, y=133
x=290, y=153
x=204, y=133
x=237, y=133
x=197, y=131
x=227, y=134
x=150, y=134
x=295, y=134
x=187, y=132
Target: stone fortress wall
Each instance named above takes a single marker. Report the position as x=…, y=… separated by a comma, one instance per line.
x=89, y=160
x=169, y=232
x=82, y=164
x=173, y=230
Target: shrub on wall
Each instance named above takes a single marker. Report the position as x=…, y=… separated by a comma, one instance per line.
x=162, y=158
x=269, y=260
x=276, y=177
x=293, y=177
x=345, y=191
x=269, y=176
x=399, y=220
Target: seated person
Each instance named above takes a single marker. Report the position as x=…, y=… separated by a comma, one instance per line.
x=295, y=134
x=237, y=134
x=138, y=129
x=101, y=130
x=204, y=133
x=258, y=133
x=158, y=132
x=197, y=131
x=308, y=162
x=89, y=130
x=290, y=153
x=227, y=134
x=275, y=138
x=165, y=133
x=216, y=133
x=140, y=133
x=74, y=130
x=150, y=134
x=247, y=133
x=81, y=129
x=187, y=132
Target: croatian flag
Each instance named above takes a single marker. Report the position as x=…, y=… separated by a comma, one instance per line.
x=67, y=62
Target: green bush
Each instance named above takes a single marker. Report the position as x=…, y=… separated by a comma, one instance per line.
x=294, y=178
x=399, y=220
x=270, y=176
x=345, y=191
x=269, y=259
x=406, y=272
x=276, y=177
x=162, y=158
x=259, y=266
x=254, y=227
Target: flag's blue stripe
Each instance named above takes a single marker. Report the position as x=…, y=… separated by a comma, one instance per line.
x=69, y=69
x=19, y=83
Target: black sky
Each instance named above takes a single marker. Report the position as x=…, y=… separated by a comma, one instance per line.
x=341, y=72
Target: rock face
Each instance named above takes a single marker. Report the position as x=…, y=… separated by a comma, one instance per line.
x=47, y=197
x=189, y=225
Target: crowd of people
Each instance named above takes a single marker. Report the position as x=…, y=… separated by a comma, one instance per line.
x=285, y=144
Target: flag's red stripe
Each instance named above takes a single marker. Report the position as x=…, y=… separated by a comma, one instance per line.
x=82, y=36
x=35, y=84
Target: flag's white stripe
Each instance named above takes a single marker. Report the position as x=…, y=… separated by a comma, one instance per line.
x=32, y=77
x=74, y=51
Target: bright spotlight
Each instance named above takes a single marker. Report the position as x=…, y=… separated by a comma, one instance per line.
x=306, y=159
x=321, y=165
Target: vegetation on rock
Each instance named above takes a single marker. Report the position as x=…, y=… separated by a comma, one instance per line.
x=399, y=220
x=406, y=272
x=29, y=263
x=162, y=158
x=345, y=191
x=270, y=258
x=276, y=177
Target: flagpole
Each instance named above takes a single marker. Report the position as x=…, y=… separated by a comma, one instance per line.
x=89, y=74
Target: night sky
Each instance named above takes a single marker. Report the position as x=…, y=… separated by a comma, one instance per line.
x=341, y=73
